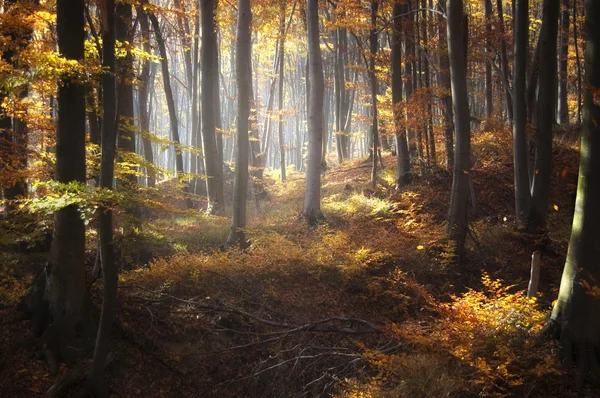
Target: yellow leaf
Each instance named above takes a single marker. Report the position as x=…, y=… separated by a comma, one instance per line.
x=556, y=207
x=420, y=247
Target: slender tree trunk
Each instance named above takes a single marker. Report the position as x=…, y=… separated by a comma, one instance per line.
x=578, y=58
x=574, y=315
x=214, y=170
x=168, y=93
x=280, y=94
x=432, y=157
x=95, y=379
x=489, y=93
x=124, y=70
x=457, y=215
x=244, y=83
x=143, y=92
x=373, y=77
x=447, y=89
x=504, y=62
x=522, y=195
x=403, y=159
x=563, y=62
x=540, y=190
x=312, y=199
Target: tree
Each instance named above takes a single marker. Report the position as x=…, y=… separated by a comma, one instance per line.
x=563, y=61
x=312, y=197
x=143, y=93
x=214, y=169
x=65, y=273
x=280, y=94
x=403, y=160
x=447, y=88
x=522, y=195
x=95, y=379
x=546, y=105
x=574, y=316
x=244, y=82
x=489, y=105
x=457, y=215
x=164, y=63
x=373, y=80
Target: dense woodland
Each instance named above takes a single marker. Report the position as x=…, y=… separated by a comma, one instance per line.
x=273, y=198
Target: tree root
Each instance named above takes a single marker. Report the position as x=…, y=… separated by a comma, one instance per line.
x=72, y=377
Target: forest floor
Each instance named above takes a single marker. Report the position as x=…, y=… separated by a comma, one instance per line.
x=369, y=304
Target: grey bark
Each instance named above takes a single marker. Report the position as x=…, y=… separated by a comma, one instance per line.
x=521, y=175
x=574, y=317
x=546, y=105
x=244, y=82
x=403, y=159
x=457, y=215
x=312, y=199
x=214, y=169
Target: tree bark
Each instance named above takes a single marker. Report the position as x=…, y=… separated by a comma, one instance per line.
x=403, y=159
x=95, y=380
x=312, y=199
x=521, y=175
x=447, y=89
x=373, y=78
x=563, y=62
x=65, y=273
x=280, y=94
x=575, y=314
x=489, y=93
x=546, y=105
x=244, y=82
x=214, y=170
x=143, y=93
x=457, y=215
x=504, y=62
x=164, y=62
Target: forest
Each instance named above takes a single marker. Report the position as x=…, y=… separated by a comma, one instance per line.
x=283, y=198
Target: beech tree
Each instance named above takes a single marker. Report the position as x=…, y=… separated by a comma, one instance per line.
x=522, y=195
x=95, y=379
x=244, y=82
x=403, y=160
x=70, y=321
x=574, y=316
x=210, y=75
x=312, y=196
x=457, y=215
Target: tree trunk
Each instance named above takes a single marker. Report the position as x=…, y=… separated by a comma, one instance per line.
x=457, y=215
x=489, y=93
x=563, y=62
x=143, y=91
x=373, y=77
x=504, y=62
x=575, y=314
x=124, y=70
x=546, y=106
x=65, y=273
x=447, y=89
x=95, y=380
x=214, y=170
x=521, y=176
x=403, y=159
x=312, y=199
x=168, y=93
x=244, y=82
x=280, y=94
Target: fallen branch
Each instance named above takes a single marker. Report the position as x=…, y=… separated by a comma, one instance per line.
x=319, y=326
